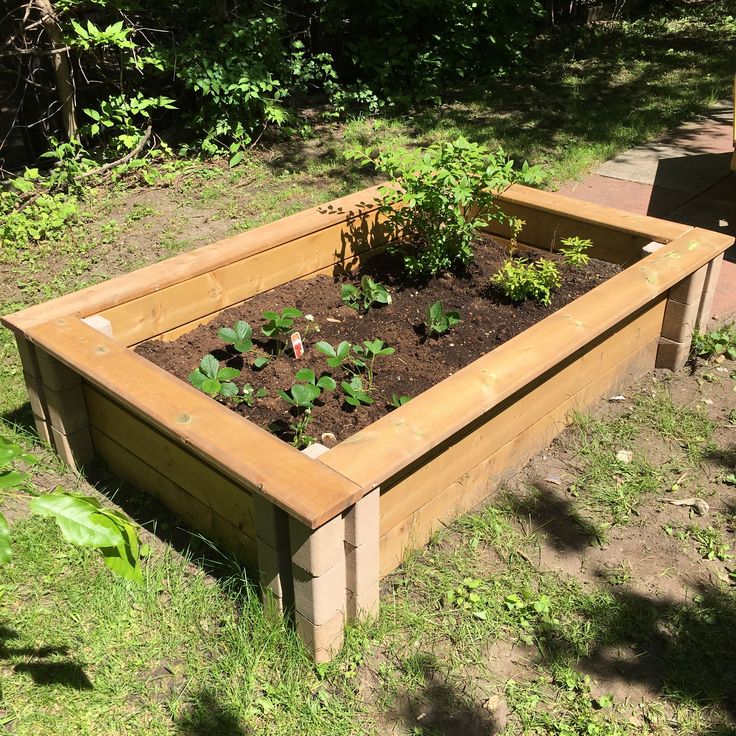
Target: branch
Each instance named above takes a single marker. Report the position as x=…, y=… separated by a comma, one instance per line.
x=124, y=160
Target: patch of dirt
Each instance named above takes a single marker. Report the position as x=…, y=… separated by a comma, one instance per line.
x=419, y=361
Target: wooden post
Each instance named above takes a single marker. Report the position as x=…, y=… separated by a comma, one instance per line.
x=680, y=319
x=67, y=411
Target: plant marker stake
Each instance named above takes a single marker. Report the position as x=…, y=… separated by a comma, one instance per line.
x=296, y=344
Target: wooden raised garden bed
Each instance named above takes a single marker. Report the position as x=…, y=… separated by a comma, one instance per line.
x=323, y=527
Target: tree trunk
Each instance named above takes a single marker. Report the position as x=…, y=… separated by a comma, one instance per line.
x=62, y=67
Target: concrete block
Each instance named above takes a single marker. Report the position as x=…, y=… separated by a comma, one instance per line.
x=690, y=289
x=314, y=450
x=272, y=523
x=34, y=387
x=318, y=598
x=650, y=248
x=323, y=641
x=317, y=550
x=75, y=449
x=43, y=429
x=274, y=566
x=362, y=520
x=709, y=293
x=67, y=409
x=27, y=354
x=672, y=355
x=680, y=320
x=99, y=323
x=55, y=374
x=362, y=580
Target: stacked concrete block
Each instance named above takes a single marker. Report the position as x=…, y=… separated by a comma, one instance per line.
x=361, y=555
x=34, y=384
x=709, y=292
x=67, y=416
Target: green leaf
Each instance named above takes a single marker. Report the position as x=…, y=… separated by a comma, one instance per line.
x=6, y=551
x=228, y=390
x=123, y=558
x=197, y=378
x=304, y=394
x=12, y=479
x=306, y=375
x=77, y=517
x=211, y=386
x=326, y=349
x=260, y=362
x=225, y=374
x=291, y=312
x=236, y=159
x=327, y=383
x=209, y=365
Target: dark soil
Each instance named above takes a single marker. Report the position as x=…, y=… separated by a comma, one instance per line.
x=419, y=361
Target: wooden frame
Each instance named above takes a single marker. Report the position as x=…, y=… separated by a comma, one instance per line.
x=323, y=526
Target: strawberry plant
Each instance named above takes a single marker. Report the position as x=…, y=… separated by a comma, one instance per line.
x=367, y=354
x=214, y=380
x=355, y=394
x=520, y=279
x=240, y=336
x=249, y=395
x=439, y=321
x=369, y=292
x=397, y=401
x=279, y=325
x=574, y=251
x=301, y=396
x=336, y=356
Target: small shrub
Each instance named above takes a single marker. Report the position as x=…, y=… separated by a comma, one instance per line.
x=574, y=251
x=715, y=343
x=440, y=196
x=520, y=279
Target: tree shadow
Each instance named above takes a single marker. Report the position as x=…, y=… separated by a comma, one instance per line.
x=43, y=668
x=438, y=707
x=725, y=456
x=204, y=716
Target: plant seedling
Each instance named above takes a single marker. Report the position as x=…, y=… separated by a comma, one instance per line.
x=574, y=251
x=335, y=356
x=355, y=394
x=367, y=354
x=240, y=336
x=278, y=325
x=302, y=395
x=397, y=401
x=249, y=395
x=369, y=292
x=212, y=379
x=520, y=280
x=439, y=321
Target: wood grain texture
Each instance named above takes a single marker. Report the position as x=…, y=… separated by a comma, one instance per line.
x=479, y=482
x=369, y=457
x=234, y=446
x=191, y=510
x=516, y=414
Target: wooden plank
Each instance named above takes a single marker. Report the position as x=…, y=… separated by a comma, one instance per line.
x=188, y=301
x=369, y=457
x=515, y=415
x=198, y=479
x=477, y=484
x=240, y=450
x=99, y=297
x=193, y=512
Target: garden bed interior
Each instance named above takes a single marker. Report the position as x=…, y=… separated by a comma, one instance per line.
x=323, y=530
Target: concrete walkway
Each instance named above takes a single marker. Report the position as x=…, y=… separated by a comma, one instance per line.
x=683, y=176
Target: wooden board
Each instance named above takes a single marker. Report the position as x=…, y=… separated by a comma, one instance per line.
x=515, y=415
x=183, y=469
x=369, y=457
x=479, y=482
x=237, y=448
x=192, y=511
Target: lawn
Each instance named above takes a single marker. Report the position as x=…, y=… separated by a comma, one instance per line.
x=581, y=601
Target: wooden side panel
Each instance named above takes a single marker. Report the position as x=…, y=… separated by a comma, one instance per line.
x=479, y=482
x=191, y=510
x=514, y=415
x=338, y=246
x=183, y=469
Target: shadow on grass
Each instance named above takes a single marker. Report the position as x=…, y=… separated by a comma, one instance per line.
x=204, y=716
x=42, y=663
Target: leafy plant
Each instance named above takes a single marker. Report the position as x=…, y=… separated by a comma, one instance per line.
x=214, y=380
x=81, y=519
x=240, y=336
x=355, y=393
x=278, y=326
x=439, y=197
x=336, y=356
x=439, y=321
x=369, y=292
x=711, y=545
x=715, y=343
x=520, y=279
x=574, y=251
x=467, y=598
x=397, y=400
x=302, y=395
x=249, y=395
x=367, y=354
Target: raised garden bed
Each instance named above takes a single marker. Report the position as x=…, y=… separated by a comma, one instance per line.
x=323, y=530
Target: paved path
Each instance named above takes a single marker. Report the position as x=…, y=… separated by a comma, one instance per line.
x=683, y=176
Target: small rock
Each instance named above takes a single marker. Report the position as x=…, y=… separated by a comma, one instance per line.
x=625, y=456
x=620, y=397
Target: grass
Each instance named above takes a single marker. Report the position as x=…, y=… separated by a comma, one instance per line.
x=190, y=652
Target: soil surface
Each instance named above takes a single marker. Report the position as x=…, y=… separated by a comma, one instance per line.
x=419, y=360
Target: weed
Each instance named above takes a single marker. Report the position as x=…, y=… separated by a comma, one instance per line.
x=214, y=380
x=574, y=251
x=711, y=545
x=718, y=342
x=439, y=321
x=466, y=598
x=369, y=292
x=520, y=279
